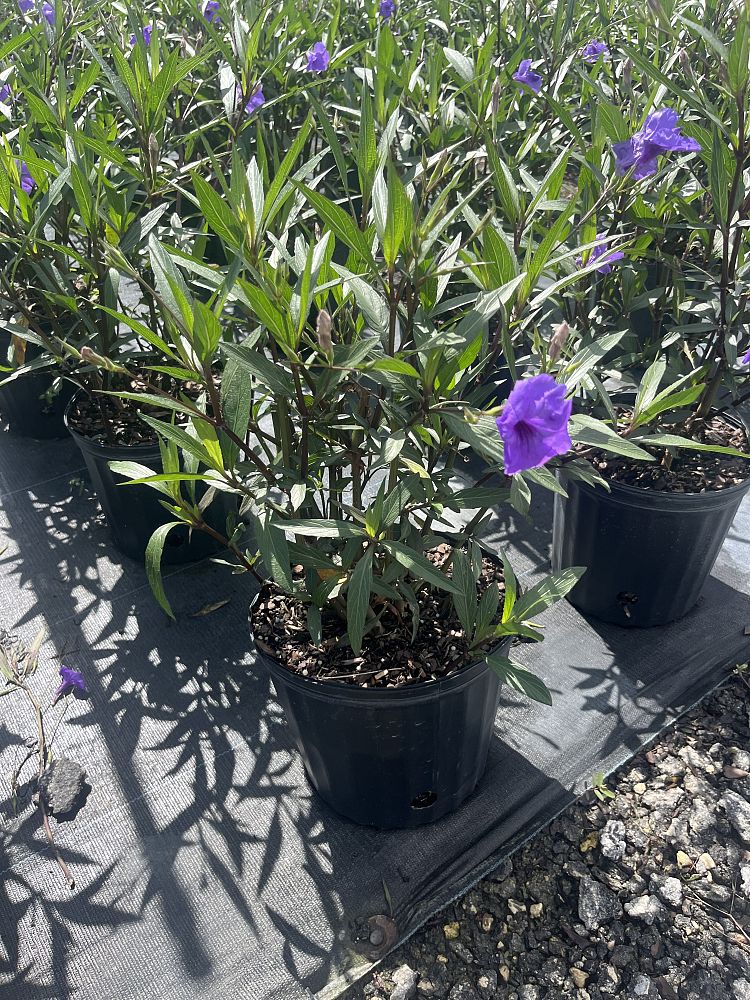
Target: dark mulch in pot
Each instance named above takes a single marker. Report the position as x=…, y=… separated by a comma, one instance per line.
x=690, y=471
x=643, y=895
x=114, y=421
x=389, y=657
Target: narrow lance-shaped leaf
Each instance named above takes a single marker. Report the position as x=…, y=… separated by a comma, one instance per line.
x=358, y=600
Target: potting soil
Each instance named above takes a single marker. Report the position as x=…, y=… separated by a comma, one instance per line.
x=205, y=867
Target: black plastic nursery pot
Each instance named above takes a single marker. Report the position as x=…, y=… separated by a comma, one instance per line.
x=133, y=512
x=648, y=553
x=29, y=408
x=392, y=758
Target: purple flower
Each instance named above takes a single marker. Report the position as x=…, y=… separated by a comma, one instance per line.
x=256, y=101
x=145, y=34
x=534, y=423
x=318, y=58
x=211, y=11
x=600, y=252
x=746, y=359
x=27, y=181
x=5, y=93
x=660, y=134
x=25, y=6
x=48, y=13
x=591, y=52
x=387, y=9
x=70, y=680
x=526, y=76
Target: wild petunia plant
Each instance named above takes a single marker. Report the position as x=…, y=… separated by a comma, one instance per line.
x=353, y=420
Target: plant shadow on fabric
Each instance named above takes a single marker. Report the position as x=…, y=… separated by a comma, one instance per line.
x=186, y=754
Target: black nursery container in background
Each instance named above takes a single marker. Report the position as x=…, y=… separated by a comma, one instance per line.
x=34, y=407
x=392, y=757
x=648, y=553
x=134, y=512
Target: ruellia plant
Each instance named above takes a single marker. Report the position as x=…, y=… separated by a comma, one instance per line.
x=354, y=412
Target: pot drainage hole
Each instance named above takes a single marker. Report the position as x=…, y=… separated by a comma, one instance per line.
x=424, y=800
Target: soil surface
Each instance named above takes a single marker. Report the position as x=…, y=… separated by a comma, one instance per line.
x=643, y=894
x=690, y=471
x=389, y=657
x=114, y=421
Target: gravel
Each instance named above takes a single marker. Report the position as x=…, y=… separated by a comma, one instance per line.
x=643, y=895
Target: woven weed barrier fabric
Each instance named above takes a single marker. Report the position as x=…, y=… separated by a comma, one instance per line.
x=205, y=866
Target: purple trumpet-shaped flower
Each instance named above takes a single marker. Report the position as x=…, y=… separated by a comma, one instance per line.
x=25, y=6
x=746, y=359
x=256, y=102
x=70, y=680
x=534, y=423
x=27, y=181
x=48, y=13
x=601, y=253
x=145, y=35
x=387, y=9
x=5, y=93
x=526, y=77
x=660, y=134
x=590, y=53
x=318, y=58
x=211, y=11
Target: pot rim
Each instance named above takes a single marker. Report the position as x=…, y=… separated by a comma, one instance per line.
x=340, y=691
x=638, y=496
x=109, y=451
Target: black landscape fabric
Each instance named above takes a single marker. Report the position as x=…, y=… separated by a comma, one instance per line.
x=205, y=865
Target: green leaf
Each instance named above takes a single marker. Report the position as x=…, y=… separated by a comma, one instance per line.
x=341, y=224
x=720, y=178
x=505, y=184
x=271, y=377
x=672, y=401
x=486, y=612
x=475, y=497
x=395, y=503
x=217, y=212
x=181, y=438
x=134, y=472
x=675, y=441
x=274, y=552
x=483, y=435
x=236, y=402
x=315, y=624
x=649, y=386
x=397, y=219
x=465, y=601
x=358, y=600
x=154, y=551
x=588, y=357
x=546, y=593
x=511, y=588
x=461, y=63
x=520, y=679
x=420, y=567
x=322, y=528
x=595, y=433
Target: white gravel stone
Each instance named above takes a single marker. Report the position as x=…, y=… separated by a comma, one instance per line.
x=612, y=840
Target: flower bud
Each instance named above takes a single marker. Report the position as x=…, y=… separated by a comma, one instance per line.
x=153, y=154
x=558, y=340
x=99, y=361
x=627, y=74
x=323, y=330
x=496, y=97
